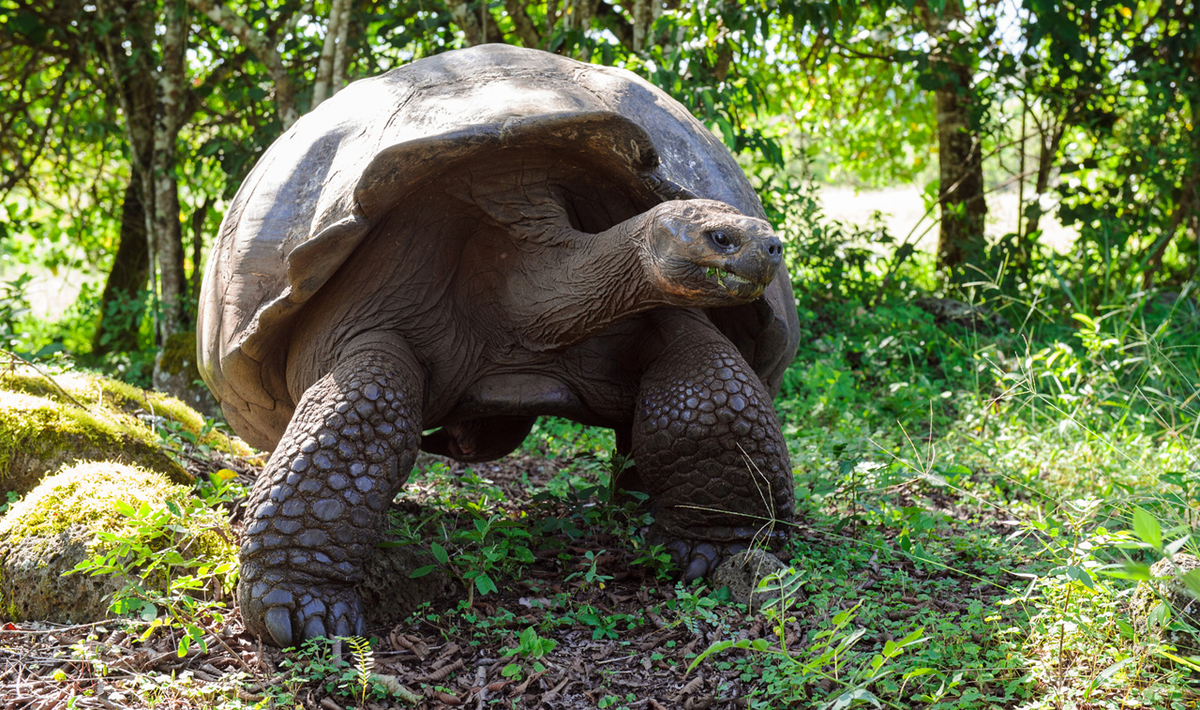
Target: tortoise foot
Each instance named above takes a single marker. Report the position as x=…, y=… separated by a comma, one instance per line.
x=700, y=555
x=290, y=612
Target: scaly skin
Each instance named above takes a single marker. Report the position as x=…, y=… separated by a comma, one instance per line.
x=318, y=507
x=708, y=447
x=709, y=450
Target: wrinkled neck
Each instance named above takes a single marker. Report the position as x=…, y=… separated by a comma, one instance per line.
x=575, y=284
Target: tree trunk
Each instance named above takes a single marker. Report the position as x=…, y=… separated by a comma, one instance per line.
x=119, y=323
x=476, y=28
x=326, y=84
x=960, y=152
x=1187, y=195
x=198, y=218
x=341, y=55
x=960, y=168
x=644, y=13
x=523, y=24
x=168, y=234
x=578, y=14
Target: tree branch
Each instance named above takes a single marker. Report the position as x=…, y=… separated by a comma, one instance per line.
x=522, y=22
x=262, y=47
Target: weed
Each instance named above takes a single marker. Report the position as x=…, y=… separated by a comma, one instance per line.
x=825, y=658
x=530, y=647
x=316, y=661
x=176, y=566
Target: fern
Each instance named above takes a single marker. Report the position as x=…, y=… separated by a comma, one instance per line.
x=364, y=662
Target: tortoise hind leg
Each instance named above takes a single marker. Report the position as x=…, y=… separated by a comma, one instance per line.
x=318, y=507
x=708, y=447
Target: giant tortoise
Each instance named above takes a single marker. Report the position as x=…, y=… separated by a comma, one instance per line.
x=466, y=243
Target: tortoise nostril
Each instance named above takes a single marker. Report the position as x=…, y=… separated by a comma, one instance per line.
x=774, y=247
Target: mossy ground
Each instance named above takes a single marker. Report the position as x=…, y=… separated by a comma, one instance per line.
x=38, y=434
x=121, y=401
x=85, y=494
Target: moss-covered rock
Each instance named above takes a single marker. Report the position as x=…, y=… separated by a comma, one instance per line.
x=38, y=435
x=176, y=372
x=1183, y=631
x=94, y=390
x=52, y=529
x=82, y=416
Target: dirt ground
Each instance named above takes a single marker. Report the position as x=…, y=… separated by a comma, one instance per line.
x=624, y=639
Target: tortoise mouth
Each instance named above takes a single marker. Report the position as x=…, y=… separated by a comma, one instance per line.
x=706, y=284
x=741, y=287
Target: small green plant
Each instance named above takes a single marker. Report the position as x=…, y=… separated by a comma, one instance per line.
x=604, y=626
x=181, y=443
x=317, y=662
x=364, y=662
x=591, y=576
x=656, y=558
x=491, y=545
x=176, y=565
x=11, y=497
x=530, y=647
x=825, y=658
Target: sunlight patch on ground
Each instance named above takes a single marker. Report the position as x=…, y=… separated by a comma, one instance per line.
x=904, y=214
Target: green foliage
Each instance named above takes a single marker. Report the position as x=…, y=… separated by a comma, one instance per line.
x=318, y=662
x=14, y=306
x=530, y=647
x=793, y=669
x=176, y=565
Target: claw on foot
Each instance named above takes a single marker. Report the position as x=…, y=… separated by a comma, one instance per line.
x=701, y=557
x=289, y=616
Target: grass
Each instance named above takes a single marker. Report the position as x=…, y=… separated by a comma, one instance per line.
x=976, y=507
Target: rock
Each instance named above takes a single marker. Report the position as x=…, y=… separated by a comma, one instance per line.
x=1171, y=591
x=51, y=530
x=46, y=423
x=742, y=573
x=175, y=373
x=389, y=594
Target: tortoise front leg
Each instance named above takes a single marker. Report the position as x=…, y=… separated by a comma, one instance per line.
x=318, y=507
x=708, y=448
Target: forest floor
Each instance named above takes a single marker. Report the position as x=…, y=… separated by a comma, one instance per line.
x=974, y=515
x=605, y=633
x=586, y=621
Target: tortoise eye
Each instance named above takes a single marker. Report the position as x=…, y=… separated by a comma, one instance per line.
x=721, y=239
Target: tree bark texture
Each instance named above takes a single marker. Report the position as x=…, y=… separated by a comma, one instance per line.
x=475, y=21
x=578, y=14
x=327, y=82
x=523, y=24
x=118, y=328
x=644, y=13
x=960, y=152
x=152, y=82
x=167, y=231
x=960, y=169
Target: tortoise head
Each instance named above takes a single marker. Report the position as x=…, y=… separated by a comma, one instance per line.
x=706, y=253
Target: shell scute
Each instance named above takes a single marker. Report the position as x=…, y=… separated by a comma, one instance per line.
x=319, y=190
